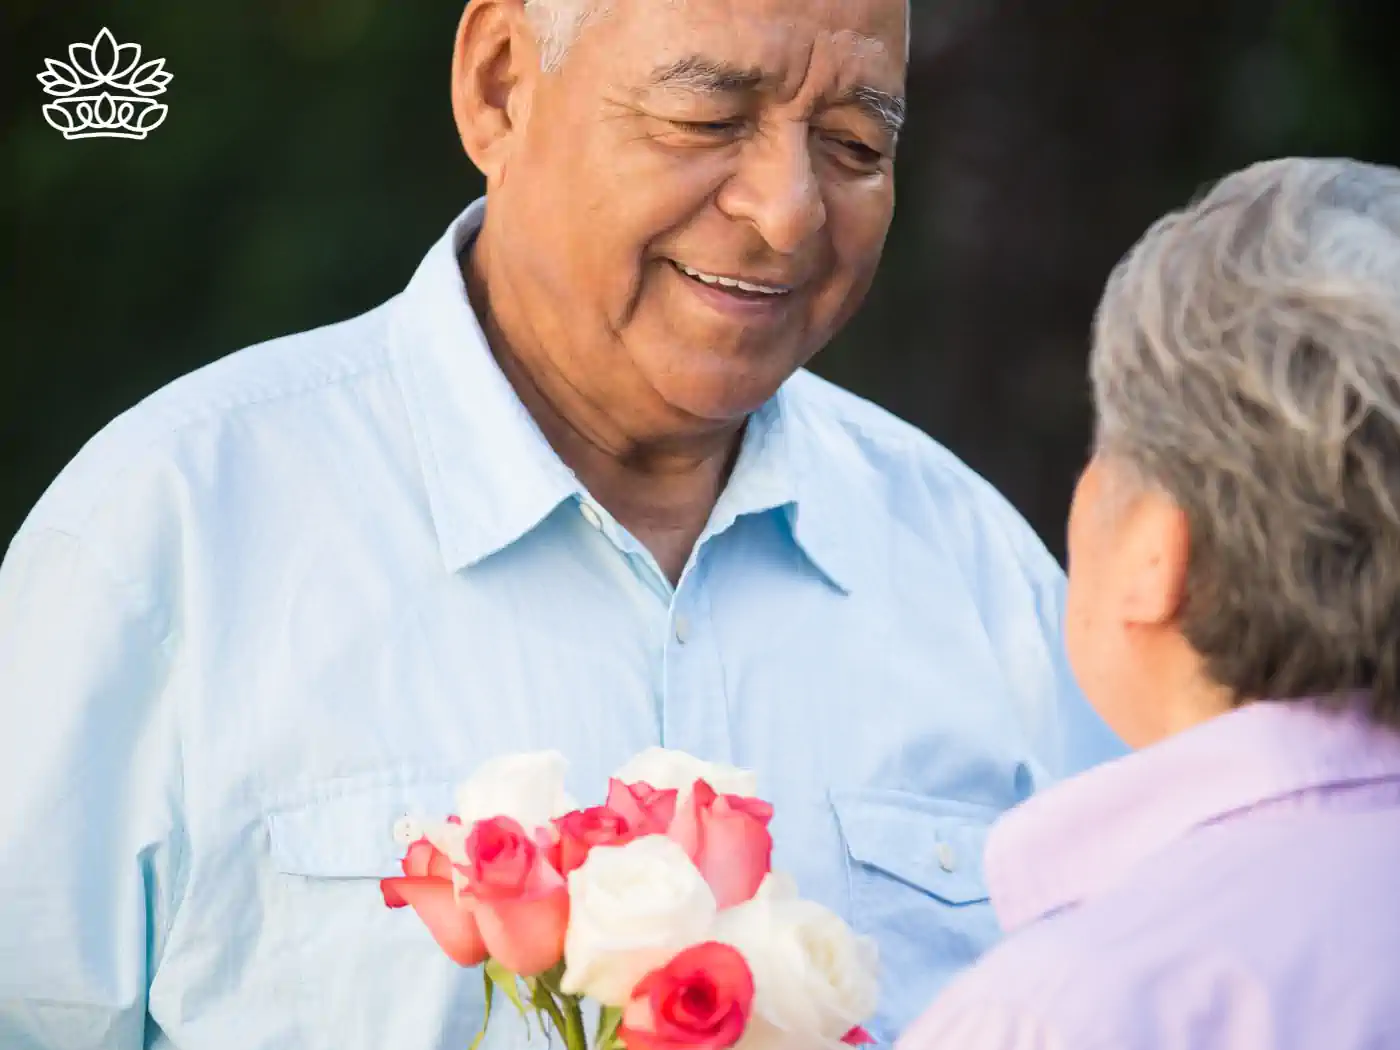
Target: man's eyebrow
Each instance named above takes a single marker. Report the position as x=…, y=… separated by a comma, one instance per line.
x=884, y=107
x=709, y=76
x=697, y=73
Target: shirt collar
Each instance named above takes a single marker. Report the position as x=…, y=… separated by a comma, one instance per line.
x=491, y=476
x=1081, y=838
x=781, y=468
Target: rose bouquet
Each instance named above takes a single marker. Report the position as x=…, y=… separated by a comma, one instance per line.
x=659, y=907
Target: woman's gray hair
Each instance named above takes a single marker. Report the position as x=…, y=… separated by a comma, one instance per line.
x=1246, y=361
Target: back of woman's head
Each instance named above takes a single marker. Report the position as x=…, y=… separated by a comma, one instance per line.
x=1247, y=362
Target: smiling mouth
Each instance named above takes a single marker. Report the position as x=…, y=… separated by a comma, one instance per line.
x=735, y=286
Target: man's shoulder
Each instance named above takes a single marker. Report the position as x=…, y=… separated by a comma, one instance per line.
x=901, y=466
x=227, y=401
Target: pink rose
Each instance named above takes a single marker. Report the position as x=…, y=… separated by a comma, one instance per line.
x=858, y=1036
x=521, y=900
x=727, y=837
x=579, y=831
x=646, y=810
x=700, y=1000
x=426, y=887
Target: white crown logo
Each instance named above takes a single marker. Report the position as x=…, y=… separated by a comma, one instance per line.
x=105, y=92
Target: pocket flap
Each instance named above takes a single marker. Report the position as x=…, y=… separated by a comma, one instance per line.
x=934, y=845
x=352, y=830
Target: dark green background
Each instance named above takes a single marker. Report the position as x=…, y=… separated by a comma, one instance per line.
x=309, y=159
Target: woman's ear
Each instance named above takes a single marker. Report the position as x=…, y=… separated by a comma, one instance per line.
x=1157, y=558
x=494, y=67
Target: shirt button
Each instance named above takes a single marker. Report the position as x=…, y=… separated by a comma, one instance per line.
x=407, y=831
x=590, y=515
x=947, y=858
x=682, y=629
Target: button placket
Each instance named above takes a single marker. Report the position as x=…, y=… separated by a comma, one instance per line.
x=695, y=703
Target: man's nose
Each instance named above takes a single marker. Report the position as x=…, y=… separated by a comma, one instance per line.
x=776, y=189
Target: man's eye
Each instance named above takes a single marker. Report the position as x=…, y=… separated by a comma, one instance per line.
x=714, y=128
x=860, y=152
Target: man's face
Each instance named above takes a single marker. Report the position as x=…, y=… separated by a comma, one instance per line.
x=685, y=141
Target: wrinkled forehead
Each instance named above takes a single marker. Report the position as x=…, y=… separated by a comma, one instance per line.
x=794, y=43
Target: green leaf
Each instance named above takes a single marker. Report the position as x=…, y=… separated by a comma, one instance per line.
x=486, y=1016
x=552, y=978
x=543, y=1000
x=609, y=1019
x=508, y=983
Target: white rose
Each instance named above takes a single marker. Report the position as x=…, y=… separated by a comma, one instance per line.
x=631, y=908
x=528, y=788
x=814, y=978
x=664, y=769
x=451, y=840
x=447, y=838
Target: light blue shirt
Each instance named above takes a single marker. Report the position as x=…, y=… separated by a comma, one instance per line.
x=295, y=596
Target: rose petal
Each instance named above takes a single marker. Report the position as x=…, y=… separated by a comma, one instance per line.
x=392, y=897
x=727, y=838
x=700, y=1000
x=583, y=829
x=686, y=827
x=755, y=808
x=738, y=856
x=500, y=858
x=424, y=860
x=448, y=918
x=526, y=936
x=646, y=810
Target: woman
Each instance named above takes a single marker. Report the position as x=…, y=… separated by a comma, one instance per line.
x=1233, y=612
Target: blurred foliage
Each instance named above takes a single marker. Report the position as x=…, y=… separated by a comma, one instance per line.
x=309, y=159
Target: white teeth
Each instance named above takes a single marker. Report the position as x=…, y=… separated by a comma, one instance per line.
x=729, y=282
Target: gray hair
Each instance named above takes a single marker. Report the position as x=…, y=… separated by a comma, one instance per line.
x=556, y=24
x=1246, y=361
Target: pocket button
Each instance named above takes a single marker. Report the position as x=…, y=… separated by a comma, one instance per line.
x=947, y=857
x=407, y=831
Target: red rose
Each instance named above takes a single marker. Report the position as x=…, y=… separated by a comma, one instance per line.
x=700, y=1000
x=728, y=839
x=646, y=810
x=521, y=901
x=426, y=887
x=583, y=829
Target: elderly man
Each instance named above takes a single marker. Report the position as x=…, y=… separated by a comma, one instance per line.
x=568, y=490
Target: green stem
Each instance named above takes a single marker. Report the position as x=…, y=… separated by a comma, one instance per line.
x=574, y=1036
x=544, y=999
x=566, y=1011
x=609, y=1019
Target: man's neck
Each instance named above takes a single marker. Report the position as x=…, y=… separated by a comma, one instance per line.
x=661, y=487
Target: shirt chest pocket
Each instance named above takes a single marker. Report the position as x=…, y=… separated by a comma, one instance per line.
x=355, y=833
x=917, y=885
x=365, y=976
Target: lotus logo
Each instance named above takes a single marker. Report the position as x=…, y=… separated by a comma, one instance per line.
x=105, y=91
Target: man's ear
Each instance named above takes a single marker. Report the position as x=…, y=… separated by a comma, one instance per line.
x=494, y=66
